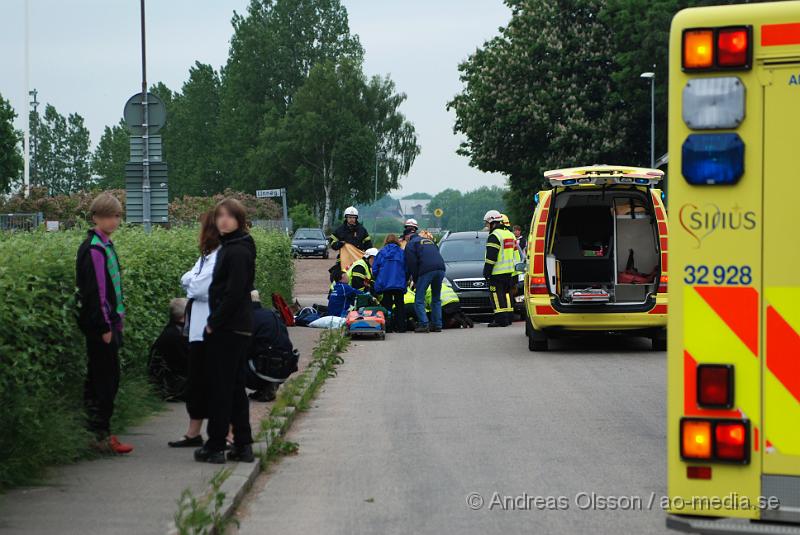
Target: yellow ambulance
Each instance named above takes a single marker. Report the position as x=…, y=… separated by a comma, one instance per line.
x=598, y=255
x=733, y=407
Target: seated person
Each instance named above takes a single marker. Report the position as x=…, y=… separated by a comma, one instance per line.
x=452, y=315
x=168, y=363
x=270, y=340
x=342, y=297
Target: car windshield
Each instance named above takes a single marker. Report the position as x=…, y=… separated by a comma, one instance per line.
x=309, y=235
x=463, y=250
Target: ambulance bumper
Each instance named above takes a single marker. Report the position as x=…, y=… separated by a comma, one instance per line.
x=728, y=526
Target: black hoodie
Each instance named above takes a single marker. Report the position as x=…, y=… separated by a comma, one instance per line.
x=233, y=279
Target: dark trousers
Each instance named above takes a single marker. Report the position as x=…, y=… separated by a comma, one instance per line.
x=500, y=287
x=226, y=354
x=102, y=382
x=392, y=301
x=197, y=382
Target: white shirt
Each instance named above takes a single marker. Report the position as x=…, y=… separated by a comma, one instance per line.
x=196, y=283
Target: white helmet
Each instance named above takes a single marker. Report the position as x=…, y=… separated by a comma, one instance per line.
x=411, y=223
x=493, y=216
x=350, y=210
x=372, y=251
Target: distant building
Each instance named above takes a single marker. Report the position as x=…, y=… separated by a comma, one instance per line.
x=416, y=208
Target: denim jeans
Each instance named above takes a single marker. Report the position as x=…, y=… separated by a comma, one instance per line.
x=434, y=280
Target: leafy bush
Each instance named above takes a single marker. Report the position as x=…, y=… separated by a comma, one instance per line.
x=73, y=210
x=301, y=217
x=42, y=352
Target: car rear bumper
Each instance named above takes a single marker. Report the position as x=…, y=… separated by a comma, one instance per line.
x=543, y=317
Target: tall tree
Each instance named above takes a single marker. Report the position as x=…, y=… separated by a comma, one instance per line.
x=77, y=156
x=62, y=156
x=535, y=97
x=111, y=155
x=273, y=48
x=327, y=142
x=10, y=158
x=195, y=167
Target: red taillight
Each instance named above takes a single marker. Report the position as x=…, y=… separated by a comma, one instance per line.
x=715, y=385
x=714, y=440
x=730, y=441
x=698, y=472
x=732, y=47
x=662, y=285
x=538, y=286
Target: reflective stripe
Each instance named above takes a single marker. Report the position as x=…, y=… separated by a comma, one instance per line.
x=505, y=257
x=367, y=275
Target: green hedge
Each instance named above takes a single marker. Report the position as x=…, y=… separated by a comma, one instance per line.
x=42, y=352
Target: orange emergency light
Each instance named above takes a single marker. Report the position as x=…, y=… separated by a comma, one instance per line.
x=698, y=49
x=696, y=439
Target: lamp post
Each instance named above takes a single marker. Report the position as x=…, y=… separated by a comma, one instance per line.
x=652, y=77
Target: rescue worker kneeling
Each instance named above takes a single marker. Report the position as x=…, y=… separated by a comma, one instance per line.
x=452, y=315
x=498, y=268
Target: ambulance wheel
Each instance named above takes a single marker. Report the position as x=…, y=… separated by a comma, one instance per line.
x=659, y=343
x=535, y=344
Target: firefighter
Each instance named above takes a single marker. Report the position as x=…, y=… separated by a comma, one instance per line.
x=360, y=273
x=352, y=232
x=498, y=267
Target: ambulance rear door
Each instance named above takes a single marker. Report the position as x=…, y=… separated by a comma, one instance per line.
x=781, y=286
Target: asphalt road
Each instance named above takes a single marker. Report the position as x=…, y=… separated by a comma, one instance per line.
x=414, y=425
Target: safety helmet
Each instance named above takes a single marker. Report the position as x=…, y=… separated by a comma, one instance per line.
x=506, y=221
x=372, y=251
x=493, y=216
x=411, y=223
x=350, y=210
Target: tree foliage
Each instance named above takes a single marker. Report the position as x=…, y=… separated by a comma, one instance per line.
x=111, y=155
x=465, y=211
x=560, y=86
x=61, y=161
x=10, y=158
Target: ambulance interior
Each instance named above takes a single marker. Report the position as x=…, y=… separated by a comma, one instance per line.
x=603, y=247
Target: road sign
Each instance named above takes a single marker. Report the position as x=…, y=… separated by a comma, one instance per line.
x=159, y=193
x=154, y=150
x=438, y=212
x=134, y=116
x=268, y=193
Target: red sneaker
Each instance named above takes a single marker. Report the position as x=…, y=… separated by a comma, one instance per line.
x=119, y=447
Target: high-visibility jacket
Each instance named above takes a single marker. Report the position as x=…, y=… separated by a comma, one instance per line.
x=359, y=270
x=448, y=295
x=409, y=296
x=501, y=247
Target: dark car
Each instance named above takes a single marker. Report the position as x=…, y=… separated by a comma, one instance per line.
x=464, y=253
x=309, y=242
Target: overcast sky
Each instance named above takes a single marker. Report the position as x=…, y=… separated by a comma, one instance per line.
x=85, y=58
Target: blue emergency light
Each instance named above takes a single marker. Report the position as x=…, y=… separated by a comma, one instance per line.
x=713, y=159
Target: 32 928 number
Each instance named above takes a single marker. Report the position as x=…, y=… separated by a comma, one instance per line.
x=719, y=275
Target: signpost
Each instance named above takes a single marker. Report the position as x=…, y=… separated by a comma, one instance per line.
x=277, y=192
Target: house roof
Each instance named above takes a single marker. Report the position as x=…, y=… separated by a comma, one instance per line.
x=408, y=205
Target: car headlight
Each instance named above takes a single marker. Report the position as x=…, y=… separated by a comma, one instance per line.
x=320, y=246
